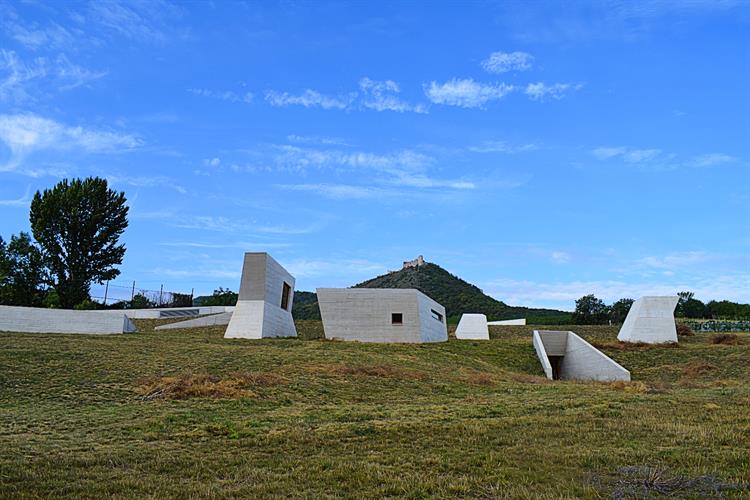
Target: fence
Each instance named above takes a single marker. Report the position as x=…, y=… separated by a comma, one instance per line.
x=112, y=292
x=718, y=326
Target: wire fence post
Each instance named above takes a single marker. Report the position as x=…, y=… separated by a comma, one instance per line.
x=161, y=293
x=192, y=292
x=132, y=293
x=106, y=290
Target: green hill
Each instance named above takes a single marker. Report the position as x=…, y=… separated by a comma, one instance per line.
x=457, y=295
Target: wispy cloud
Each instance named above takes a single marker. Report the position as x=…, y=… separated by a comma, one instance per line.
x=223, y=95
x=235, y=244
x=233, y=225
x=147, y=181
x=317, y=140
x=21, y=80
x=658, y=158
x=466, y=93
x=381, y=96
x=502, y=147
x=309, y=99
x=25, y=134
x=502, y=62
x=376, y=95
x=344, y=191
x=23, y=201
x=142, y=21
x=541, y=91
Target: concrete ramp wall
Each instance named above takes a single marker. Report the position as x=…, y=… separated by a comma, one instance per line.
x=40, y=320
x=508, y=322
x=201, y=322
x=650, y=320
x=566, y=356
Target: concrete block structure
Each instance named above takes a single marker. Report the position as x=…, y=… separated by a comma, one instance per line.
x=264, y=306
x=381, y=315
x=473, y=327
x=199, y=322
x=170, y=312
x=508, y=322
x=566, y=356
x=41, y=320
x=650, y=320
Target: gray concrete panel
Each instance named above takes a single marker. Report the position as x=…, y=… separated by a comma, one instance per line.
x=41, y=320
x=472, y=327
x=650, y=320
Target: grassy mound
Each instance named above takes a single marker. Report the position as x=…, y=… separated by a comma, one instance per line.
x=187, y=413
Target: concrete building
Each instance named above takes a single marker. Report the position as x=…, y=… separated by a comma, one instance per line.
x=264, y=305
x=473, y=327
x=566, y=356
x=650, y=320
x=381, y=315
x=508, y=322
x=41, y=320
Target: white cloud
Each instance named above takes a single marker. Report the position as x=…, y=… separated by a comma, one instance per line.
x=309, y=99
x=711, y=160
x=323, y=141
x=380, y=96
x=560, y=257
x=502, y=62
x=212, y=162
x=465, y=93
x=23, y=201
x=502, y=147
x=25, y=134
x=140, y=21
x=343, y=191
x=20, y=81
x=146, y=181
x=223, y=95
x=541, y=91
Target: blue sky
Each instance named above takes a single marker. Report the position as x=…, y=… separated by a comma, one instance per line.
x=542, y=151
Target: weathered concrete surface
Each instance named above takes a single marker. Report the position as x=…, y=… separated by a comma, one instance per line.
x=367, y=315
x=200, y=322
x=473, y=327
x=41, y=320
x=576, y=358
x=259, y=313
x=650, y=320
x=169, y=312
x=508, y=322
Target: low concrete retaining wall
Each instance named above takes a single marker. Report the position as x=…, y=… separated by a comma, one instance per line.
x=575, y=359
x=203, y=321
x=40, y=320
x=508, y=322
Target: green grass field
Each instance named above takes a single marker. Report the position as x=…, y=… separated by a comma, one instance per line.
x=186, y=413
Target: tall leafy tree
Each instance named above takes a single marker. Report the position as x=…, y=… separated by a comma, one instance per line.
x=619, y=310
x=23, y=276
x=590, y=311
x=78, y=224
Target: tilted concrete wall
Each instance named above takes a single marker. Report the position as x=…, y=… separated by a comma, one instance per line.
x=40, y=320
x=258, y=313
x=472, y=327
x=508, y=322
x=365, y=315
x=159, y=312
x=200, y=322
x=650, y=320
x=580, y=360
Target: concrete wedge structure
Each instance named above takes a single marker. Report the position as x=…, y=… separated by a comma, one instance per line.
x=381, y=315
x=508, y=322
x=650, y=320
x=264, y=307
x=473, y=327
x=566, y=356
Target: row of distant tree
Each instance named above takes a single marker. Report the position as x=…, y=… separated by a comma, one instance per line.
x=593, y=311
x=74, y=242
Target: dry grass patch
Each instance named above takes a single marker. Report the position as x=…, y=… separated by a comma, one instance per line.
x=204, y=385
x=650, y=482
x=725, y=339
x=528, y=379
x=631, y=387
x=684, y=330
x=697, y=369
x=474, y=377
x=632, y=346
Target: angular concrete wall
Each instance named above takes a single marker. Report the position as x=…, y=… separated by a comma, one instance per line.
x=508, y=322
x=366, y=315
x=258, y=313
x=472, y=327
x=169, y=312
x=575, y=358
x=40, y=320
x=201, y=322
x=650, y=320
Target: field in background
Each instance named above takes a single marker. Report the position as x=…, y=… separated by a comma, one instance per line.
x=187, y=413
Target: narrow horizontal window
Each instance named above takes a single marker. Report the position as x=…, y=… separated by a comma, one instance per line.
x=436, y=315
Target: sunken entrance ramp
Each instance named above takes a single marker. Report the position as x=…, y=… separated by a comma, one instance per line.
x=566, y=356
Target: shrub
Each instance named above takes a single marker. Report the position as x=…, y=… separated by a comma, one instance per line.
x=87, y=304
x=684, y=330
